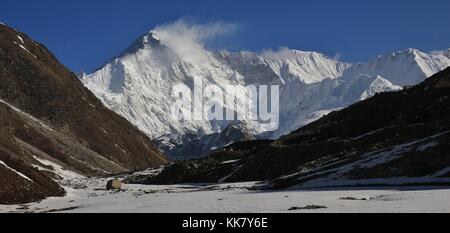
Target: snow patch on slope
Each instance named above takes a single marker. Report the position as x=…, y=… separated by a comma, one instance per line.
x=15, y=171
x=56, y=169
x=25, y=49
x=20, y=38
x=337, y=176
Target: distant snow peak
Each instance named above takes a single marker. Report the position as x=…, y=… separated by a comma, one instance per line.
x=148, y=40
x=309, y=67
x=402, y=68
x=379, y=85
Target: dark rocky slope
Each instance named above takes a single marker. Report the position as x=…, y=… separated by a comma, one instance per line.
x=397, y=137
x=192, y=146
x=47, y=114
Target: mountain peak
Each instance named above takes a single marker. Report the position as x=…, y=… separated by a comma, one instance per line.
x=412, y=51
x=149, y=39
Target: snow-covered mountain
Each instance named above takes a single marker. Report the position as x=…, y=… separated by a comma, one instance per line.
x=138, y=83
x=404, y=68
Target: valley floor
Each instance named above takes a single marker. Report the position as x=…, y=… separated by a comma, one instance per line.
x=236, y=198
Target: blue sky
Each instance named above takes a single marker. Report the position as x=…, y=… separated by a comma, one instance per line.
x=84, y=34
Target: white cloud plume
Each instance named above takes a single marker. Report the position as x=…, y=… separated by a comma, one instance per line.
x=188, y=40
x=282, y=52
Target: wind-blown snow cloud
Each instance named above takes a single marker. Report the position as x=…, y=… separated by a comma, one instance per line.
x=282, y=52
x=188, y=40
x=337, y=56
x=287, y=53
x=440, y=52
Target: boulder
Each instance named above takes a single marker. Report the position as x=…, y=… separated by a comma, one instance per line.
x=114, y=185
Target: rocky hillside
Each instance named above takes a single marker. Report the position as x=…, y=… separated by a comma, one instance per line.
x=194, y=146
x=51, y=125
x=393, y=138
